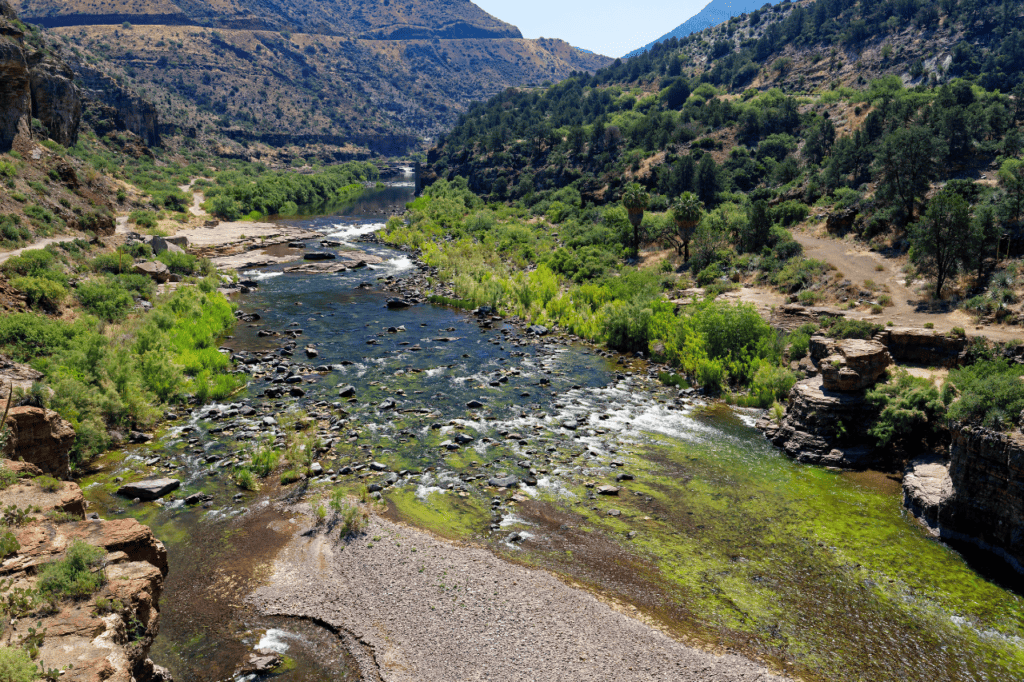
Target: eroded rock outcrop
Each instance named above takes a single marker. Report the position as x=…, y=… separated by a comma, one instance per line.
x=40, y=437
x=850, y=364
x=823, y=426
x=977, y=495
x=107, y=636
x=923, y=346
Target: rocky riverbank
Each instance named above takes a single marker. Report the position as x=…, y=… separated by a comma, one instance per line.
x=106, y=635
x=418, y=609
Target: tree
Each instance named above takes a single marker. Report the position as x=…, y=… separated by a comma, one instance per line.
x=635, y=201
x=754, y=234
x=1011, y=178
x=707, y=183
x=937, y=240
x=820, y=137
x=686, y=213
x=906, y=162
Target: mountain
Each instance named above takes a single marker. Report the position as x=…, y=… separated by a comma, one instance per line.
x=716, y=12
x=321, y=78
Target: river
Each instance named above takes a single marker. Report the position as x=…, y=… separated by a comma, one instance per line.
x=714, y=534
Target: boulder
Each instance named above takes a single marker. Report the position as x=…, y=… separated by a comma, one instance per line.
x=161, y=244
x=397, y=303
x=926, y=487
x=151, y=489
x=157, y=271
x=853, y=365
x=40, y=437
x=503, y=481
x=346, y=391
x=318, y=255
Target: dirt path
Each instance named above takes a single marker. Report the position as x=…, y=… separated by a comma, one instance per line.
x=863, y=266
x=38, y=244
x=427, y=610
x=197, y=199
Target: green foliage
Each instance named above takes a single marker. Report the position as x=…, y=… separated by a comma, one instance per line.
x=12, y=232
x=49, y=484
x=800, y=341
x=844, y=328
x=245, y=479
x=72, y=577
x=991, y=393
x=909, y=406
x=40, y=292
x=771, y=384
x=237, y=194
x=290, y=476
x=16, y=665
x=144, y=219
x=105, y=298
x=183, y=263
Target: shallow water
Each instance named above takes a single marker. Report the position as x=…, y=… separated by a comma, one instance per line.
x=718, y=536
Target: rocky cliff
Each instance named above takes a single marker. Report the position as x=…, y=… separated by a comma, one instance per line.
x=41, y=438
x=106, y=636
x=976, y=495
x=826, y=416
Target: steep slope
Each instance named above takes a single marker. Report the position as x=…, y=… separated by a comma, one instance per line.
x=367, y=19
x=334, y=80
x=716, y=12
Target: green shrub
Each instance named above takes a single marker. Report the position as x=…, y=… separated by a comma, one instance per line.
x=33, y=262
x=843, y=328
x=991, y=393
x=113, y=263
x=289, y=476
x=16, y=665
x=105, y=298
x=12, y=231
x=180, y=263
x=144, y=219
x=245, y=479
x=49, y=483
x=40, y=292
x=627, y=326
x=909, y=406
x=711, y=375
x=772, y=384
x=800, y=341
x=72, y=577
x=709, y=275
x=265, y=459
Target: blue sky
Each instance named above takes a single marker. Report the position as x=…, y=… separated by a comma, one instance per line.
x=610, y=28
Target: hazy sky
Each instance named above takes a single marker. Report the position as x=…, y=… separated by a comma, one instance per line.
x=605, y=26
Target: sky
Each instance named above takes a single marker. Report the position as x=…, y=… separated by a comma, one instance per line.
x=611, y=28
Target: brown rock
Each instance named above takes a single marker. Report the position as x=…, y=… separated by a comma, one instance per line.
x=926, y=487
x=68, y=498
x=924, y=346
x=154, y=269
x=40, y=437
x=854, y=365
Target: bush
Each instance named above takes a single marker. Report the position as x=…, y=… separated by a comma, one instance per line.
x=843, y=328
x=910, y=406
x=772, y=384
x=180, y=263
x=72, y=577
x=49, y=484
x=105, y=298
x=33, y=263
x=711, y=375
x=800, y=341
x=627, y=326
x=144, y=219
x=40, y=292
x=991, y=393
x=16, y=665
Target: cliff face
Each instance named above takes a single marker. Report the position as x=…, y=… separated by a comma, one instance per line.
x=986, y=500
x=108, y=635
x=110, y=107
x=33, y=85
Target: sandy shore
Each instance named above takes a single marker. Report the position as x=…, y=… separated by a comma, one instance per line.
x=419, y=609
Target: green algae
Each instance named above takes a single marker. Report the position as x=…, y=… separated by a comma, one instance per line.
x=446, y=514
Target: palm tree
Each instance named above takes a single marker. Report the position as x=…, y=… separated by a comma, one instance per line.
x=635, y=200
x=687, y=212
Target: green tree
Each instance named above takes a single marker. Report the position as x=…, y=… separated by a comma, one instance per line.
x=635, y=200
x=754, y=233
x=937, y=240
x=906, y=162
x=707, y=184
x=1011, y=179
x=686, y=213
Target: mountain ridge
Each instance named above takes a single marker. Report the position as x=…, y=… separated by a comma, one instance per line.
x=714, y=13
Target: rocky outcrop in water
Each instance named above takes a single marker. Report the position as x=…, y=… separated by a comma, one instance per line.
x=826, y=418
x=40, y=437
x=977, y=495
x=106, y=636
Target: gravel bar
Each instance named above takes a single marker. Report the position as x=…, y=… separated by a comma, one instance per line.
x=424, y=609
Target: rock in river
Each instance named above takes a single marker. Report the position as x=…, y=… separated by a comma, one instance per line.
x=151, y=489
x=346, y=391
x=318, y=255
x=397, y=303
x=503, y=481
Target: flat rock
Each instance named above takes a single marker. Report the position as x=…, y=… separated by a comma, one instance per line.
x=503, y=481
x=926, y=487
x=607, y=490
x=151, y=489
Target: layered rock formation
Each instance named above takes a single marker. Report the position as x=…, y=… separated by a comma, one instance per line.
x=923, y=346
x=977, y=495
x=107, y=636
x=826, y=414
x=40, y=437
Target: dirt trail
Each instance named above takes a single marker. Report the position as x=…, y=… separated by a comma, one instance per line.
x=861, y=265
x=428, y=610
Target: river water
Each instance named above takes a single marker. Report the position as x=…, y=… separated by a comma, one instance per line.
x=714, y=533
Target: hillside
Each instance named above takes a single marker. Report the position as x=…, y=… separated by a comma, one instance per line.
x=716, y=12
x=322, y=79
x=365, y=19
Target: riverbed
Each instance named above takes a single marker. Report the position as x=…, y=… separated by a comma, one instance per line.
x=711, y=534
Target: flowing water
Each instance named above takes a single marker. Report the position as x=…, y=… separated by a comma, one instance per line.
x=714, y=533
